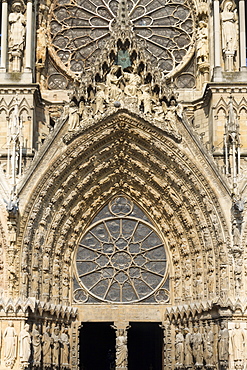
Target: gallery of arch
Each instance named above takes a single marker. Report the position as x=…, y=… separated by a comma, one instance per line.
x=123, y=173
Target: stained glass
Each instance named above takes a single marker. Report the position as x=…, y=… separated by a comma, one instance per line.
x=121, y=257
x=78, y=26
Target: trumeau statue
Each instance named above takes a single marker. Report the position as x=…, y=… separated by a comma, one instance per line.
x=17, y=22
x=121, y=349
x=10, y=345
x=25, y=346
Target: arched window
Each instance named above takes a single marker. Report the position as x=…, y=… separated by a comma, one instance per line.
x=121, y=258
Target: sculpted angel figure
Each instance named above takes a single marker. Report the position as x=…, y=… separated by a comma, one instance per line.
x=172, y=112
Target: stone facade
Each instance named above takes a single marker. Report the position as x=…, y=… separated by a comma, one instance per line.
x=123, y=180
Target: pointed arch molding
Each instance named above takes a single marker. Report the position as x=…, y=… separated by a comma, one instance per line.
x=129, y=156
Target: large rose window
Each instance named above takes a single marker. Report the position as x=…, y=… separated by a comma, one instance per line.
x=121, y=258
x=80, y=28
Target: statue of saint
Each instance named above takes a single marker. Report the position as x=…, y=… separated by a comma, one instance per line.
x=179, y=348
x=121, y=349
x=56, y=346
x=10, y=344
x=237, y=347
x=41, y=45
x=145, y=98
x=133, y=82
x=46, y=344
x=223, y=343
x=36, y=341
x=197, y=345
x=100, y=98
x=17, y=22
x=188, y=360
x=74, y=120
x=202, y=43
x=229, y=28
x=208, y=346
x=25, y=345
x=112, y=84
x=65, y=347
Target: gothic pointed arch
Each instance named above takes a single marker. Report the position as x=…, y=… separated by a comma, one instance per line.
x=157, y=172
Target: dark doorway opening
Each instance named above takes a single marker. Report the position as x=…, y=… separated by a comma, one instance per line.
x=97, y=346
x=145, y=346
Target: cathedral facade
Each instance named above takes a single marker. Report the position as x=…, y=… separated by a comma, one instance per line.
x=123, y=173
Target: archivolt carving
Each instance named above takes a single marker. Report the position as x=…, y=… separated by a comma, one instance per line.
x=165, y=184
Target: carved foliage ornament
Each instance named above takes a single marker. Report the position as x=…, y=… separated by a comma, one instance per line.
x=79, y=30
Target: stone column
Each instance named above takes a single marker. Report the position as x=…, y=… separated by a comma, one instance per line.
x=242, y=24
x=29, y=32
x=4, y=35
x=167, y=345
x=121, y=346
x=217, y=43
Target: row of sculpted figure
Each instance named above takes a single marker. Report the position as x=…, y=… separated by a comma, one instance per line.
x=198, y=347
x=49, y=349
x=124, y=88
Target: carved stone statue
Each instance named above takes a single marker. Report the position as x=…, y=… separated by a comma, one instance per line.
x=208, y=346
x=56, y=347
x=223, y=343
x=100, y=98
x=202, y=43
x=188, y=360
x=237, y=348
x=46, y=346
x=25, y=345
x=229, y=28
x=41, y=44
x=17, y=32
x=112, y=83
x=65, y=347
x=36, y=342
x=74, y=120
x=133, y=82
x=179, y=348
x=145, y=98
x=121, y=349
x=229, y=34
x=197, y=345
x=10, y=344
x=171, y=113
